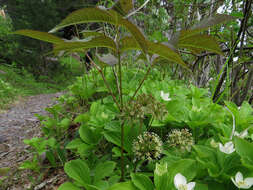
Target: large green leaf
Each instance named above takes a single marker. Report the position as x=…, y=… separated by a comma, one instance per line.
x=115, y=138
x=44, y=36
x=101, y=41
x=87, y=15
x=90, y=135
x=167, y=53
x=212, y=21
x=79, y=171
x=245, y=150
x=142, y=182
x=201, y=26
x=123, y=186
x=123, y=6
x=200, y=42
x=137, y=34
x=68, y=186
x=208, y=158
x=129, y=43
x=187, y=167
x=104, y=169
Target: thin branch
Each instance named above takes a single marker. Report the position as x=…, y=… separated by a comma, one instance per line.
x=141, y=83
x=105, y=81
x=135, y=11
x=116, y=78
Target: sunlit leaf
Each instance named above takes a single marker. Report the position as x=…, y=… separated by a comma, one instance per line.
x=142, y=182
x=104, y=169
x=43, y=36
x=245, y=150
x=123, y=186
x=200, y=42
x=79, y=171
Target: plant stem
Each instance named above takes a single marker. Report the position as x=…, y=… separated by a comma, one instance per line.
x=116, y=78
x=122, y=152
x=105, y=81
x=120, y=80
x=141, y=83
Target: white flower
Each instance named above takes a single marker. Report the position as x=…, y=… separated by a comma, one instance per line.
x=240, y=183
x=165, y=96
x=242, y=134
x=228, y=148
x=181, y=183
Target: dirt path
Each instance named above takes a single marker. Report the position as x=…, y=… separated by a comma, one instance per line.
x=19, y=123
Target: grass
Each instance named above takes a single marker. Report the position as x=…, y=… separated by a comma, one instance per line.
x=16, y=82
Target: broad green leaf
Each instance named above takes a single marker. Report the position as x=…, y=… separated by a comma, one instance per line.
x=89, y=135
x=129, y=43
x=201, y=26
x=79, y=171
x=68, y=186
x=187, y=167
x=104, y=169
x=101, y=41
x=86, y=15
x=91, y=187
x=136, y=33
x=43, y=36
x=74, y=144
x=123, y=186
x=207, y=157
x=201, y=186
x=65, y=123
x=205, y=24
x=82, y=118
x=200, y=42
x=165, y=52
x=142, y=182
x=243, y=147
x=115, y=138
x=212, y=21
x=101, y=185
x=245, y=150
x=123, y=6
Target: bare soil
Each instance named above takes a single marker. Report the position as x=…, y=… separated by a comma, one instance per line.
x=16, y=124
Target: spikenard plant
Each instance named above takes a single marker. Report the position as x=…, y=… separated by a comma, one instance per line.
x=121, y=40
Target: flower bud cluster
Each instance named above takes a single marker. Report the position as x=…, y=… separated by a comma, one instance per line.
x=181, y=138
x=145, y=104
x=147, y=146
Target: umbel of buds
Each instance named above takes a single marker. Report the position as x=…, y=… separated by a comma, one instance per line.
x=147, y=146
x=181, y=139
